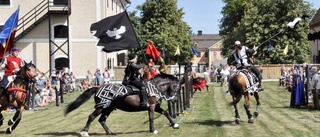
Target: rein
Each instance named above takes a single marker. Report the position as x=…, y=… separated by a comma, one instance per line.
x=16, y=89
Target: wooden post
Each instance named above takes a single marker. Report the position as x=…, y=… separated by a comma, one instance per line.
x=61, y=90
x=187, y=87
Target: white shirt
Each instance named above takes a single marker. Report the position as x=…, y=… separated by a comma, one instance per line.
x=224, y=72
x=241, y=57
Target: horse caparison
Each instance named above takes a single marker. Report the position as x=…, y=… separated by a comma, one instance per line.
x=237, y=88
x=166, y=86
x=16, y=94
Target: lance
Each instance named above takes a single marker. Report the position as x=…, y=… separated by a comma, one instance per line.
x=291, y=25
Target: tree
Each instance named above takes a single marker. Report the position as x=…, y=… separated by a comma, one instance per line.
x=161, y=22
x=262, y=19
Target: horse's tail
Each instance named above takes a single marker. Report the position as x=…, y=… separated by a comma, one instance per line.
x=238, y=98
x=80, y=100
x=236, y=90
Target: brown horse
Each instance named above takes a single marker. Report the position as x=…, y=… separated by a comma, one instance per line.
x=238, y=86
x=16, y=94
x=116, y=96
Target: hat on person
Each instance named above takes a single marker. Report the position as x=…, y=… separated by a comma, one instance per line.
x=237, y=43
x=132, y=56
x=15, y=49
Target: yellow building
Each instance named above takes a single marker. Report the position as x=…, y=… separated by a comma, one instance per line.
x=209, y=47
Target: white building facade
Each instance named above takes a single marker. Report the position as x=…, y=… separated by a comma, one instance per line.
x=56, y=33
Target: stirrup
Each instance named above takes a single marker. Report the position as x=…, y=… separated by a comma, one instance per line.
x=260, y=88
x=144, y=105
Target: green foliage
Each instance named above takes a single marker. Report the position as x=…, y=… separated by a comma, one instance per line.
x=161, y=22
x=258, y=20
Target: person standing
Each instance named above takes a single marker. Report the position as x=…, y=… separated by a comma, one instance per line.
x=106, y=76
x=98, y=77
x=11, y=64
x=89, y=77
x=315, y=87
x=297, y=93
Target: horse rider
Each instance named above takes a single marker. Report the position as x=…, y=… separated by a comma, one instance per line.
x=243, y=58
x=11, y=64
x=131, y=77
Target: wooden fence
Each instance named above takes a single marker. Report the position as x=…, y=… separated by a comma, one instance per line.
x=270, y=71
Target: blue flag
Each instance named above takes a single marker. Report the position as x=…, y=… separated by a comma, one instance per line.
x=194, y=51
x=163, y=54
x=270, y=47
x=9, y=28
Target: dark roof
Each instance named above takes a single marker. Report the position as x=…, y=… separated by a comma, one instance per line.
x=205, y=40
x=315, y=21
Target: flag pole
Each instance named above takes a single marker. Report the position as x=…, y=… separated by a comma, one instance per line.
x=125, y=10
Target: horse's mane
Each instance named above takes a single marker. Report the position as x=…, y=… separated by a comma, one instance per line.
x=165, y=75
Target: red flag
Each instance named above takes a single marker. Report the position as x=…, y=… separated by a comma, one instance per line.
x=152, y=51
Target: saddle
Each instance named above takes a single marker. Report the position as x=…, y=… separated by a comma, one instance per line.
x=251, y=79
x=109, y=92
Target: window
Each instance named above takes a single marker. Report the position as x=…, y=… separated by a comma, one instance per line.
x=60, y=2
x=206, y=54
x=107, y=3
x=112, y=5
x=116, y=6
x=214, y=55
x=61, y=31
x=4, y=2
x=62, y=62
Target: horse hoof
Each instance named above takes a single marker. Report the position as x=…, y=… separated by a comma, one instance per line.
x=8, y=131
x=176, y=126
x=84, y=134
x=10, y=122
x=256, y=114
x=250, y=120
x=155, y=132
x=237, y=120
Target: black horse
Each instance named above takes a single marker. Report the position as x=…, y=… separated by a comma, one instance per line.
x=116, y=96
x=16, y=94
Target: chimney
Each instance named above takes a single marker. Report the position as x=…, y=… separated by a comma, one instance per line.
x=199, y=32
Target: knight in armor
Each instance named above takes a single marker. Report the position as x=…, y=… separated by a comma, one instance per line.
x=131, y=77
x=243, y=58
x=11, y=64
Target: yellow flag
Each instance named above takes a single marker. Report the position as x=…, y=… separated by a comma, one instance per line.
x=255, y=51
x=285, y=51
x=177, y=51
x=161, y=59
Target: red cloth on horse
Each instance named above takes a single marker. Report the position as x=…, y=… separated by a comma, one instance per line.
x=199, y=83
x=153, y=72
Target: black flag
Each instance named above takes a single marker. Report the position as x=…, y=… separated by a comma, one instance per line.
x=115, y=33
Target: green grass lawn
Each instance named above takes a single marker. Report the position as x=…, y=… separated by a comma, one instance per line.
x=209, y=115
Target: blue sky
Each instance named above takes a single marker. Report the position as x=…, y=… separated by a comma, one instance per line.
x=203, y=14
